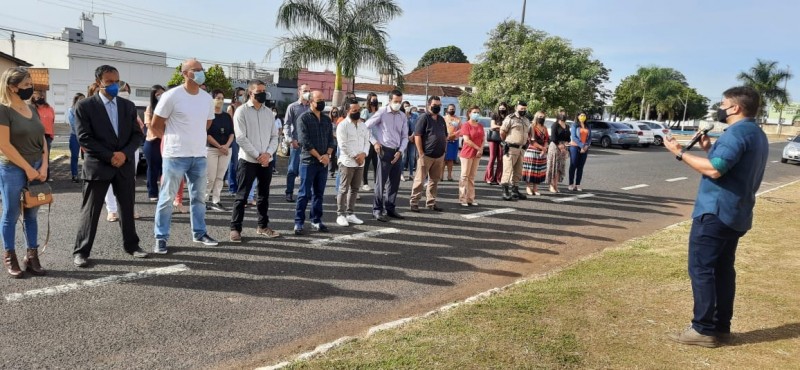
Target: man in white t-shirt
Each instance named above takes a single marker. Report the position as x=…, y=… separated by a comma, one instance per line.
x=182, y=116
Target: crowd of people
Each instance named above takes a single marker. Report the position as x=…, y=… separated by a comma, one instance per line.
x=190, y=141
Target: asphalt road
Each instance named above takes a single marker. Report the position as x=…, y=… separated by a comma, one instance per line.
x=250, y=304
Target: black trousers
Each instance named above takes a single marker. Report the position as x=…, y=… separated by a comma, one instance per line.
x=371, y=160
x=246, y=173
x=387, y=181
x=94, y=193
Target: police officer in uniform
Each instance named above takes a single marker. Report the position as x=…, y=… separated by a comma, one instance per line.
x=515, y=132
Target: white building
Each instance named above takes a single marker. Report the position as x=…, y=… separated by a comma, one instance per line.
x=72, y=58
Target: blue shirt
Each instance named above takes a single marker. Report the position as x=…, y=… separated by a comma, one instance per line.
x=389, y=128
x=314, y=133
x=740, y=155
x=71, y=120
x=293, y=112
x=111, y=109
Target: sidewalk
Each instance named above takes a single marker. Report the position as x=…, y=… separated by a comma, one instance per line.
x=611, y=310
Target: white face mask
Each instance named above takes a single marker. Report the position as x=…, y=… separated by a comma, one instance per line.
x=124, y=95
x=395, y=106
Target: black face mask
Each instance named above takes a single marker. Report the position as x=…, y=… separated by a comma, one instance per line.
x=270, y=104
x=435, y=109
x=561, y=117
x=355, y=116
x=320, y=106
x=502, y=111
x=25, y=94
x=260, y=97
x=334, y=114
x=540, y=120
x=451, y=112
x=374, y=103
x=722, y=114
x=522, y=113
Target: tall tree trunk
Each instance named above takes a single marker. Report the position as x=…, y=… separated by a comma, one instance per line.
x=338, y=94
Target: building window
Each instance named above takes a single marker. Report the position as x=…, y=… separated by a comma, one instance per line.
x=142, y=93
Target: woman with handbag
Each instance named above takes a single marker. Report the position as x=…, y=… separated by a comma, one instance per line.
x=23, y=160
x=557, y=154
x=494, y=169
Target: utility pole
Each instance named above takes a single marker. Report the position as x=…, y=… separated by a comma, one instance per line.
x=427, y=81
x=685, y=107
x=780, y=115
x=524, y=3
x=13, y=45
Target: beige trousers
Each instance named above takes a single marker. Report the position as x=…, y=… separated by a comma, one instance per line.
x=512, y=167
x=466, y=187
x=217, y=165
x=431, y=168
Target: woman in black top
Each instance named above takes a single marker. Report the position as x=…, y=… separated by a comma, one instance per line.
x=372, y=157
x=219, y=140
x=557, y=155
x=494, y=168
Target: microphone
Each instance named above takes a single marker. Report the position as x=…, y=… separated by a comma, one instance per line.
x=702, y=131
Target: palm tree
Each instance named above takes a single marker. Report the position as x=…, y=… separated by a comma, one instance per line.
x=768, y=80
x=347, y=33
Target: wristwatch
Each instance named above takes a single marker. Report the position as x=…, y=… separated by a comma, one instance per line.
x=680, y=155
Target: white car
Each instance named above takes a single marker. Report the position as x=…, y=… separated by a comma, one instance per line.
x=792, y=150
x=660, y=131
x=646, y=135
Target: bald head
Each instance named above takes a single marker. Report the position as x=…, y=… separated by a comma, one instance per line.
x=189, y=71
x=317, y=101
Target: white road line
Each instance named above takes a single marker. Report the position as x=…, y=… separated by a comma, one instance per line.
x=568, y=199
x=774, y=161
x=677, y=179
x=364, y=235
x=635, y=187
x=66, y=288
x=488, y=213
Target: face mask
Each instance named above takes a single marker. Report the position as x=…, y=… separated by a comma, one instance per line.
x=124, y=95
x=373, y=103
x=307, y=96
x=320, y=106
x=355, y=116
x=261, y=97
x=112, y=90
x=199, y=77
x=241, y=99
x=435, y=109
x=582, y=119
x=334, y=114
x=158, y=97
x=40, y=101
x=270, y=104
x=502, y=111
x=451, y=112
x=395, y=106
x=474, y=116
x=25, y=94
x=218, y=103
x=722, y=114
x=561, y=117
x=522, y=113
x=540, y=120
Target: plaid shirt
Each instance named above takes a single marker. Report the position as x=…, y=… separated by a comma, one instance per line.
x=313, y=133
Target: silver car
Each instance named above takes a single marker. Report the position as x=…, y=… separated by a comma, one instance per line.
x=792, y=150
x=613, y=133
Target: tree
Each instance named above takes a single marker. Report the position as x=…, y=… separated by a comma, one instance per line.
x=768, y=80
x=347, y=33
x=658, y=91
x=445, y=54
x=521, y=63
x=215, y=79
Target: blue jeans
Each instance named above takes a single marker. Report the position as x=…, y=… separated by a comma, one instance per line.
x=294, y=169
x=12, y=180
x=410, y=159
x=576, y=162
x=233, y=185
x=712, y=252
x=175, y=169
x=152, y=154
x=74, y=152
x=313, y=178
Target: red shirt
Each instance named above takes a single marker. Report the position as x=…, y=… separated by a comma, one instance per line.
x=475, y=133
x=48, y=117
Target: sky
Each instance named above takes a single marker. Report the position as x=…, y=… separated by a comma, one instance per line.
x=709, y=41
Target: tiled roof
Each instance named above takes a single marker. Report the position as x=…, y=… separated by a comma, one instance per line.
x=40, y=77
x=454, y=74
x=410, y=89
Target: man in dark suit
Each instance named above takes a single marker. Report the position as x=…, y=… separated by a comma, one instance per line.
x=109, y=135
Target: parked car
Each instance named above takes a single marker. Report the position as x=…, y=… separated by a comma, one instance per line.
x=613, y=133
x=660, y=131
x=791, y=152
x=646, y=136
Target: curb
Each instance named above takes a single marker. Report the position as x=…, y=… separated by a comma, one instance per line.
x=323, y=348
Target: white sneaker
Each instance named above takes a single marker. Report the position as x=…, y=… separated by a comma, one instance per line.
x=354, y=220
x=403, y=178
x=578, y=188
x=465, y=204
x=366, y=187
x=342, y=221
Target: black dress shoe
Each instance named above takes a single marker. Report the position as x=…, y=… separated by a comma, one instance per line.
x=394, y=214
x=80, y=261
x=435, y=208
x=290, y=198
x=381, y=218
x=138, y=253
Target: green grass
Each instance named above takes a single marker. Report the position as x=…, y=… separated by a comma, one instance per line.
x=611, y=311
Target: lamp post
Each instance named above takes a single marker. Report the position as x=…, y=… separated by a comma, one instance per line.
x=780, y=114
x=524, y=3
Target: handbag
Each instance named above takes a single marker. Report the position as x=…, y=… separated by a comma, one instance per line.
x=494, y=136
x=35, y=195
